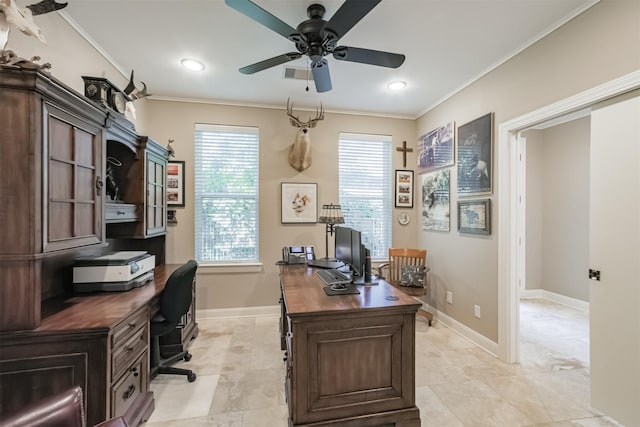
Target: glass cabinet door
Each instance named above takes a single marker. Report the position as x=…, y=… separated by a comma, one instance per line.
x=156, y=203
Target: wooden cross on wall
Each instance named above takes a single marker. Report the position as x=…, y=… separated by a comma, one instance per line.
x=404, y=150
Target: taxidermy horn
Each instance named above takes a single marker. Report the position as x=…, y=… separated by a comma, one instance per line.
x=300, y=153
x=133, y=92
x=22, y=19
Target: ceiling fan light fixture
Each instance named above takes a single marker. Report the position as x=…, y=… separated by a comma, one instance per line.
x=192, y=64
x=397, y=85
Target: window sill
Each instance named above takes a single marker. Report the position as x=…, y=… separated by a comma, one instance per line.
x=204, y=268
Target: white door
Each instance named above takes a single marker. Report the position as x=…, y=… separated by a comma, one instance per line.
x=614, y=248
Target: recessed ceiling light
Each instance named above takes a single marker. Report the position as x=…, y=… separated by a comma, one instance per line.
x=192, y=64
x=397, y=85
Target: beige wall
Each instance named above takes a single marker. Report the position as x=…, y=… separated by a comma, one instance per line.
x=176, y=120
x=558, y=209
x=71, y=57
x=599, y=45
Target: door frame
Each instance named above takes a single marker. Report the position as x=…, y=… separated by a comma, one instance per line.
x=511, y=222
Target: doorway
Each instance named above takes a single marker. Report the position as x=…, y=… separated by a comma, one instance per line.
x=554, y=289
x=511, y=229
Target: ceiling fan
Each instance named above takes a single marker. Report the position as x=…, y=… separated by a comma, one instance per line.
x=318, y=38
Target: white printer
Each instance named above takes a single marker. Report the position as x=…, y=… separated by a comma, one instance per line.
x=118, y=271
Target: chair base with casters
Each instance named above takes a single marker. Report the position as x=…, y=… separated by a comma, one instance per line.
x=161, y=365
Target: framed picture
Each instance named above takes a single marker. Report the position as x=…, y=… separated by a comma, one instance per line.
x=435, y=200
x=475, y=161
x=171, y=216
x=474, y=216
x=404, y=189
x=436, y=148
x=299, y=202
x=175, y=183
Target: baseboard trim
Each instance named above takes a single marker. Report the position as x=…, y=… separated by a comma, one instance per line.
x=481, y=341
x=554, y=297
x=214, y=313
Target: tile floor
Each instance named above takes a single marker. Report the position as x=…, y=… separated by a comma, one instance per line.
x=240, y=376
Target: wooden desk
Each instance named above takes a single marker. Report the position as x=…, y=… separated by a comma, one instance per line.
x=350, y=359
x=97, y=341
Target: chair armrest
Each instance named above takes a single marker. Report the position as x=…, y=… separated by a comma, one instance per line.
x=380, y=268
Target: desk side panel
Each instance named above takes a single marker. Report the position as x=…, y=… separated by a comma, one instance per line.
x=353, y=365
x=31, y=370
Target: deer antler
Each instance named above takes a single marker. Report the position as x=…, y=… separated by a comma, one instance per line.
x=319, y=116
x=295, y=121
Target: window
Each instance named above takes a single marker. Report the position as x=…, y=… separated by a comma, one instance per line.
x=226, y=194
x=366, y=184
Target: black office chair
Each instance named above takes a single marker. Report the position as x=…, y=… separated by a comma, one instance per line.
x=175, y=301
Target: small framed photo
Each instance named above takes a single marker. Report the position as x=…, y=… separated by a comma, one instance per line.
x=175, y=183
x=474, y=216
x=299, y=203
x=404, y=189
x=171, y=216
x=436, y=148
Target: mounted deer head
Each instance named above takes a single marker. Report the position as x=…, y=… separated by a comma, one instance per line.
x=300, y=153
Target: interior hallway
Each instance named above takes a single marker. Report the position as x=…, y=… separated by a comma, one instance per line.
x=241, y=376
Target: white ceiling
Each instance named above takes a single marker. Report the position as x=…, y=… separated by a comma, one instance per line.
x=447, y=44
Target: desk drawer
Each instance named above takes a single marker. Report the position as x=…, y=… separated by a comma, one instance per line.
x=126, y=391
x=124, y=355
x=120, y=212
x=129, y=326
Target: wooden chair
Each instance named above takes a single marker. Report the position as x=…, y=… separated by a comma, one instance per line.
x=399, y=257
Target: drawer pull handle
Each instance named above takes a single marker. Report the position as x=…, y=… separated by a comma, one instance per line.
x=129, y=392
x=132, y=325
x=121, y=212
x=135, y=372
x=129, y=349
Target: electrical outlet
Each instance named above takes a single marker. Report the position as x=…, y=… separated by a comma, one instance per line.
x=450, y=297
x=476, y=311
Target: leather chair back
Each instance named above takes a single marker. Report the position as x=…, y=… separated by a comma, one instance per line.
x=61, y=410
x=178, y=292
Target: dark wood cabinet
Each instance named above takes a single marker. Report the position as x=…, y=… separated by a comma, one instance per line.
x=51, y=187
x=99, y=342
x=139, y=170
x=72, y=181
x=55, y=149
x=350, y=359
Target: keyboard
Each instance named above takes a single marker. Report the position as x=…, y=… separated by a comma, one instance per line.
x=333, y=277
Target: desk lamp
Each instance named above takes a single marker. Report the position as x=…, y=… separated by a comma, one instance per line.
x=331, y=215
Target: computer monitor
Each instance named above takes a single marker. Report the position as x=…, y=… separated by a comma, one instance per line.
x=357, y=253
x=343, y=244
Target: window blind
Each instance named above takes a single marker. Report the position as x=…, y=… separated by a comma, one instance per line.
x=226, y=193
x=366, y=185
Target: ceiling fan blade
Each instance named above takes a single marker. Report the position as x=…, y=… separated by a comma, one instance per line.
x=271, y=62
x=349, y=14
x=261, y=16
x=368, y=56
x=321, y=76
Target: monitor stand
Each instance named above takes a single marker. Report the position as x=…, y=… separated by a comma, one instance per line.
x=364, y=280
x=325, y=263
